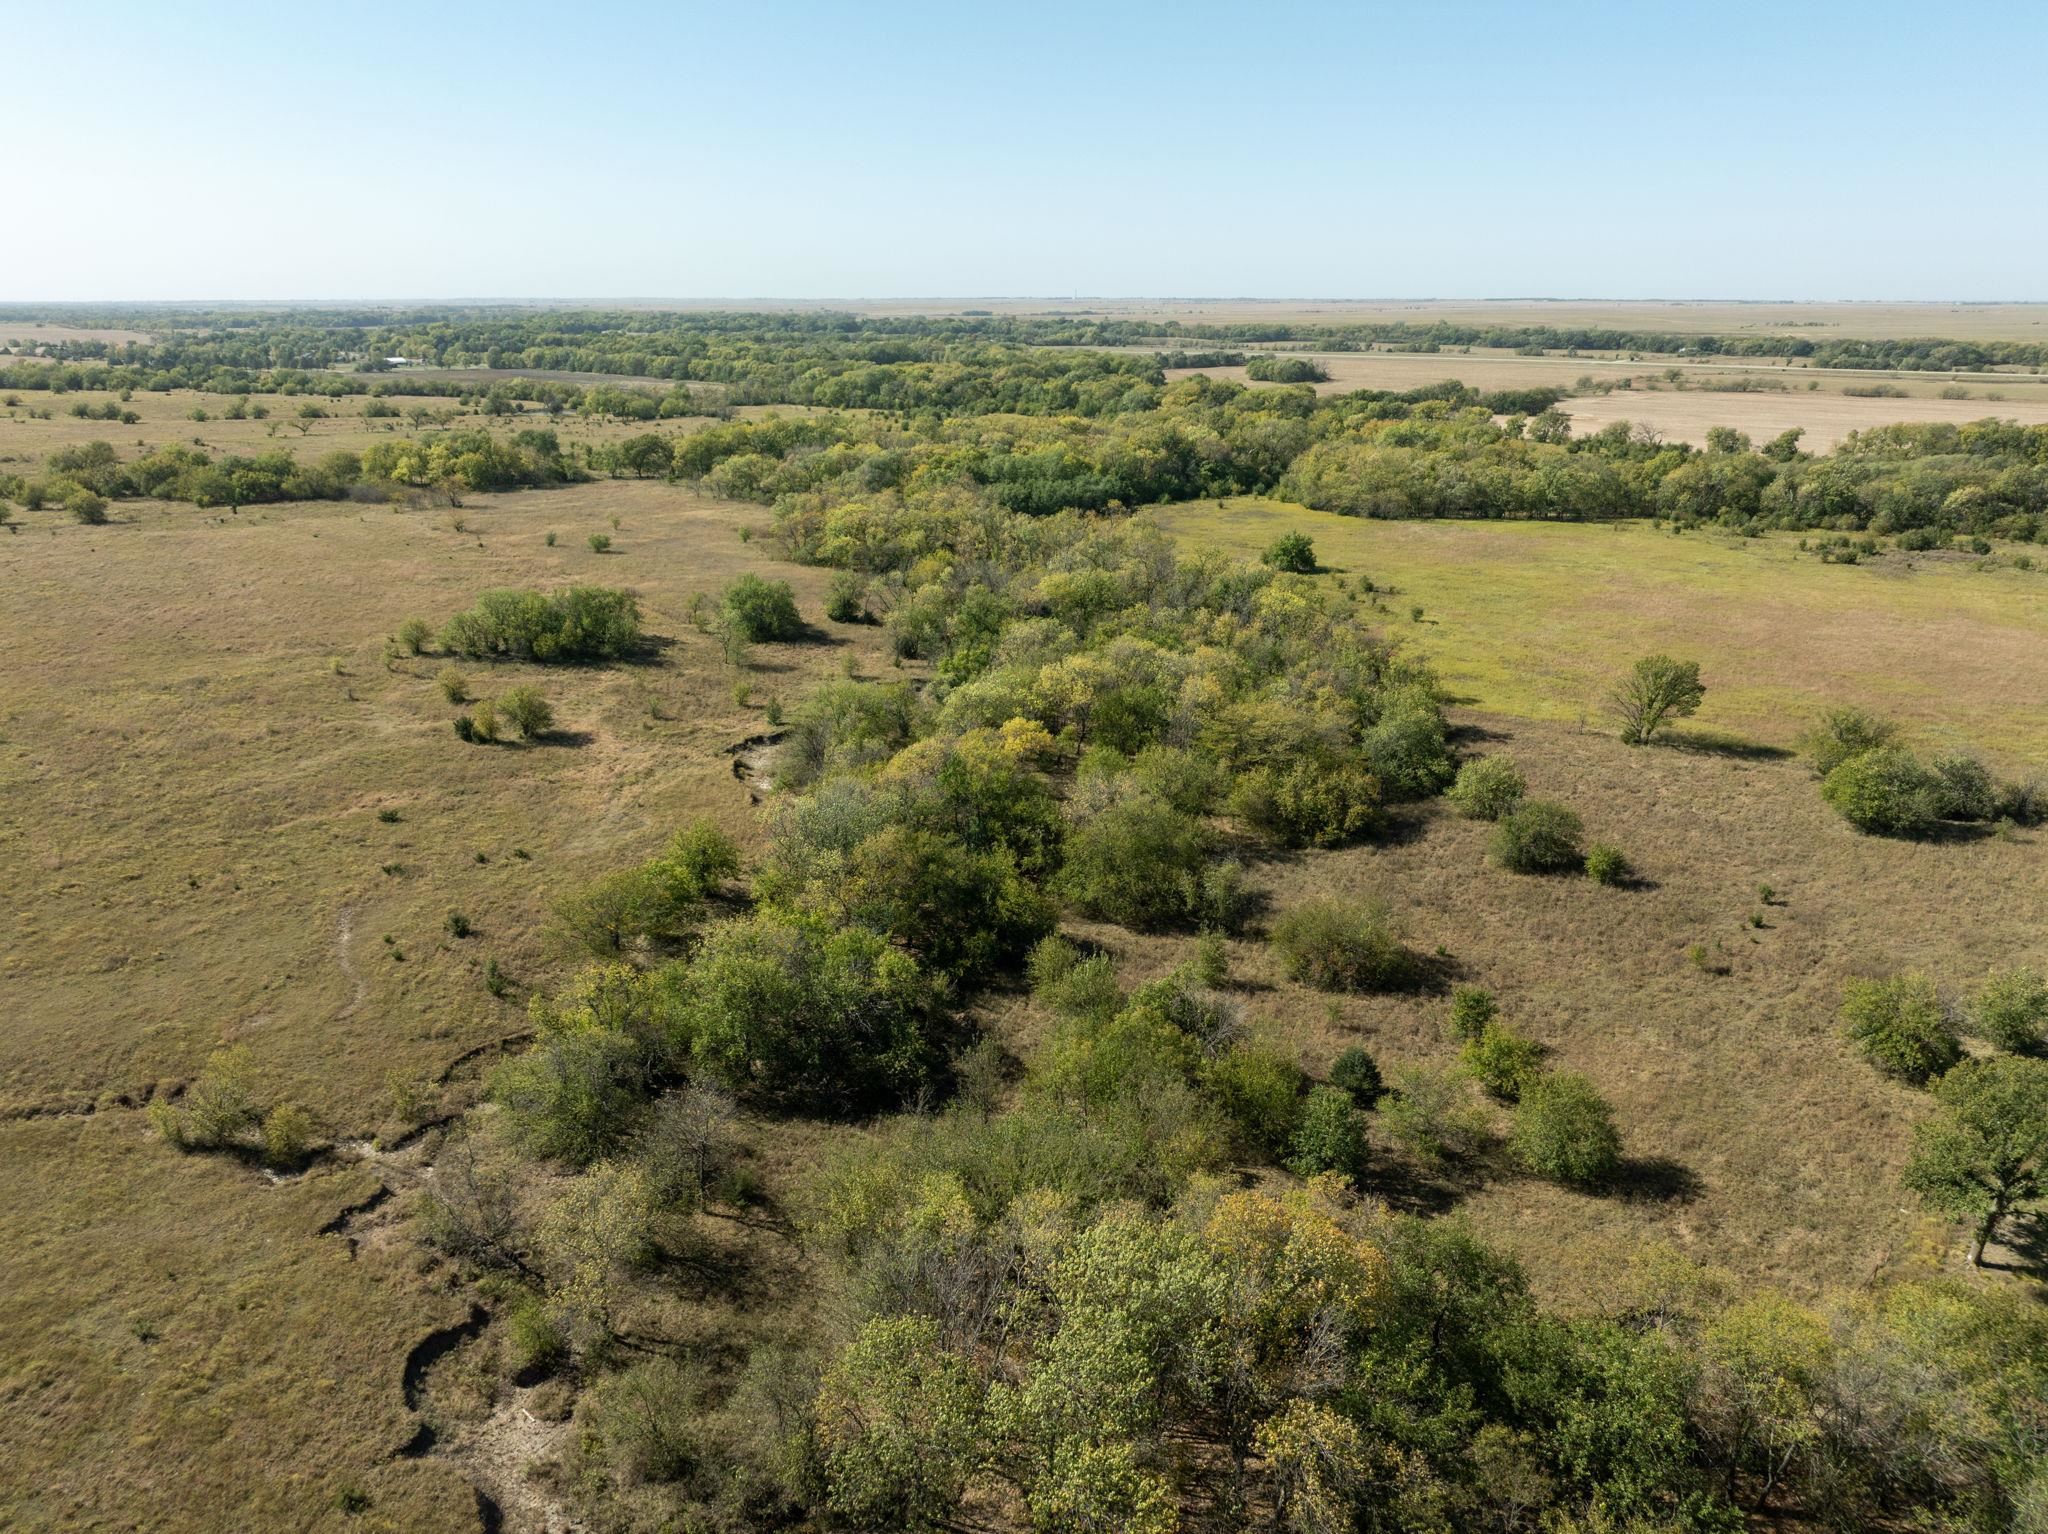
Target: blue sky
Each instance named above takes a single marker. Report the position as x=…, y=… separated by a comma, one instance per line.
x=1817, y=150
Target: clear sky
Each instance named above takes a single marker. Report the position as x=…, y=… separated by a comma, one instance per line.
x=1797, y=149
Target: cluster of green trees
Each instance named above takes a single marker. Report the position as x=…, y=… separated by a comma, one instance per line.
x=1989, y=477
x=994, y=403
x=472, y=459
x=1880, y=785
x=653, y=343
x=1265, y=367
x=1983, y=1155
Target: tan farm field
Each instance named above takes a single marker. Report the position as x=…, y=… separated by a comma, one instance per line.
x=1825, y=417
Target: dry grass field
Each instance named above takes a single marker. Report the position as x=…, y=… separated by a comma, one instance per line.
x=199, y=739
x=22, y=332
x=1491, y=368
x=1760, y=1141
x=1826, y=417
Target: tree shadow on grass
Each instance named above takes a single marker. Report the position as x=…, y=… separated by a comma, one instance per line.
x=1409, y=1187
x=568, y=740
x=1655, y=1180
x=1468, y=733
x=1719, y=743
x=2026, y=1239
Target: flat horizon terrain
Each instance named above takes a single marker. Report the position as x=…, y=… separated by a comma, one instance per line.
x=1819, y=319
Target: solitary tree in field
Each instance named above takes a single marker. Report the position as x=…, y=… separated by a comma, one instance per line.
x=1659, y=688
x=1981, y=1158
x=1293, y=552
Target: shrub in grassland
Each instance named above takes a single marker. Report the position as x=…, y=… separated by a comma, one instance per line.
x=762, y=610
x=2011, y=1011
x=1359, y=1074
x=1606, y=863
x=1901, y=1027
x=1487, y=788
x=1259, y=1090
x=1431, y=1113
x=1337, y=946
x=846, y=600
x=1886, y=792
x=1472, y=1008
x=1539, y=837
x=1502, y=1061
x=1841, y=733
x=287, y=1136
x=528, y=712
x=1329, y=1135
x=1564, y=1130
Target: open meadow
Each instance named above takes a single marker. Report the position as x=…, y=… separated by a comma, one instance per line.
x=1536, y=619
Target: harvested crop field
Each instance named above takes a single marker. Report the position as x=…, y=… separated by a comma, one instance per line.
x=1826, y=416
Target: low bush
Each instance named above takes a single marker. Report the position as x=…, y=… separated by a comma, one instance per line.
x=483, y=722
x=1431, y=1113
x=287, y=1136
x=1885, y=791
x=1841, y=733
x=1329, y=1135
x=83, y=506
x=1487, y=788
x=528, y=712
x=1343, y=947
x=799, y=1008
x=846, y=600
x=1356, y=1072
x=1260, y=1092
x=1147, y=866
x=1291, y=552
x=453, y=684
x=580, y=624
x=218, y=1110
x=1901, y=1027
x=2011, y=1011
x=1310, y=802
x=761, y=611
x=1606, y=863
x=1564, y=1130
x=1963, y=788
x=1502, y=1061
x=1539, y=836
x=1472, y=1008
